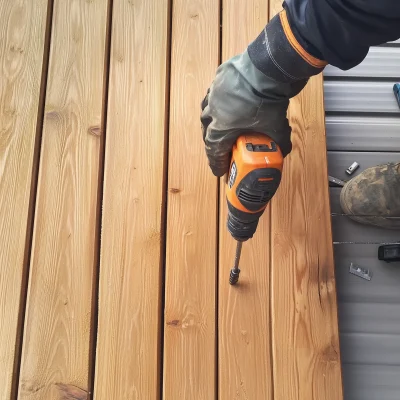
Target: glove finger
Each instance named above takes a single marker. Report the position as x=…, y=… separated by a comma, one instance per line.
x=219, y=146
x=204, y=102
x=219, y=165
x=205, y=118
x=205, y=122
x=218, y=170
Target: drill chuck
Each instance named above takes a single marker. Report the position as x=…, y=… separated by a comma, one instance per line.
x=242, y=226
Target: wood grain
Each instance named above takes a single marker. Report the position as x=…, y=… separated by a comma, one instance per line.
x=128, y=346
x=304, y=308
x=55, y=358
x=22, y=50
x=244, y=319
x=190, y=290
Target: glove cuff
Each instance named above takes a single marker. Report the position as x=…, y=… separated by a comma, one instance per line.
x=277, y=53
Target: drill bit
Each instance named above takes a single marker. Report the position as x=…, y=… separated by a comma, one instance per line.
x=235, y=271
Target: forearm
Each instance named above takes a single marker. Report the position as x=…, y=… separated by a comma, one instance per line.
x=340, y=32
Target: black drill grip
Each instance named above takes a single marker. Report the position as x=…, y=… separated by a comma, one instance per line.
x=242, y=225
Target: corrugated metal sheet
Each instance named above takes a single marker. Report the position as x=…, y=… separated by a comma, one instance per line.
x=370, y=382
x=380, y=61
x=370, y=317
x=382, y=289
x=371, y=348
x=358, y=104
x=364, y=133
x=367, y=97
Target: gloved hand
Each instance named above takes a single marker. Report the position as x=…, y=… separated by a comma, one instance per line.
x=251, y=92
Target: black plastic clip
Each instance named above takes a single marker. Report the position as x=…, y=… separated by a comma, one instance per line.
x=389, y=252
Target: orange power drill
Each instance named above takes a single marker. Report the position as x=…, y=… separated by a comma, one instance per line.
x=254, y=177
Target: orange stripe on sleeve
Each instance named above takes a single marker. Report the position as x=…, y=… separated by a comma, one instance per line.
x=315, y=62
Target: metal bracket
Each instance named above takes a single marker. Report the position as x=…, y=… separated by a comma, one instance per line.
x=335, y=182
x=359, y=271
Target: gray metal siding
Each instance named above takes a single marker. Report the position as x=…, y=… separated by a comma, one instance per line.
x=382, y=289
x=365, y=97
x=362, y=133
x=363, y=125
x=372, y=382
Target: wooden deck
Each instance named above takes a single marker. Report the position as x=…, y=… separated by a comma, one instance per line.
x=114, y=256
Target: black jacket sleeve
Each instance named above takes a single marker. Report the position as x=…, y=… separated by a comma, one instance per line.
x=341, y=31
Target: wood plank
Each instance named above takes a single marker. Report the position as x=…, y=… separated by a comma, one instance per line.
x=23, y=51
x=128, y=346
x=244, y=319
x=190, y=291
x=306, y=352
x=56, y=348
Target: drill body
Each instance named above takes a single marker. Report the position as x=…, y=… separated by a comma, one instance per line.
x=255, y=175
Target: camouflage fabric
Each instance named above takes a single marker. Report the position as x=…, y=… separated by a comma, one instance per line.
x=375, y=192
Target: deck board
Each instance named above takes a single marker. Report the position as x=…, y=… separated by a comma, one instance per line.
x=131, y=260
x=24, y=47
x=306, y=352
x=55, y=357
x=191, y=248
x=305, y=341
x=245, y=370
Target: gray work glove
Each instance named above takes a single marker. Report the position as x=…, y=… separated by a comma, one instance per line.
x=251, y=92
